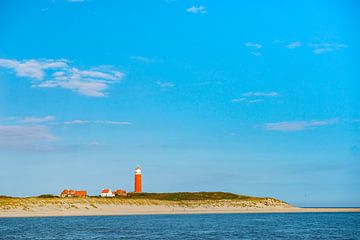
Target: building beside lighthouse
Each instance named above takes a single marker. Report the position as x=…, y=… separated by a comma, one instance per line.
x=138, y=184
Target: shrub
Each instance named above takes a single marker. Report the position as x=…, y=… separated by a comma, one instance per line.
x=47, y=196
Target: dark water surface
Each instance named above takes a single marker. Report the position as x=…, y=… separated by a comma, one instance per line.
x=206, y=226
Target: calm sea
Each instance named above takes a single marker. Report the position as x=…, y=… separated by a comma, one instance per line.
x=207, y=226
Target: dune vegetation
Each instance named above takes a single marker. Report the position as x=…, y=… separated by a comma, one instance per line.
x=179, y=199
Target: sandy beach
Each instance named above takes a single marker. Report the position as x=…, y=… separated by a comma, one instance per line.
x=87, y=208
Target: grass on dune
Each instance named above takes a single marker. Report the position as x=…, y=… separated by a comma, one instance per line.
x=181, y=196
x=177, y=198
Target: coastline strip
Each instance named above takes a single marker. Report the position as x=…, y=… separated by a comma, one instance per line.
x=124, y=212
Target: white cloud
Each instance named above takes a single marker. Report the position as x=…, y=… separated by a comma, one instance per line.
x=319, y=48
x=294, y=45
x=200, y=9
x=297, y=125
x=88, y=88
x=113, y=122
x=253, y=45
x=79, y=122
x=255, y=100
x=252, y=97
x=20, y=135
x=110, y=75
x=29, y=120
x=166, y=84
x=245, y=100
x=59, y=74
x=277, y=41
x=37, y=119
x=76, y=1
x=238, y=99
x=260, y=94
x=43, y=120
x=32, y=68
x=143, y=59
x=76, y=122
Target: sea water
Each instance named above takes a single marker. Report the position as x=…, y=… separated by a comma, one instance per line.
x=201, y=226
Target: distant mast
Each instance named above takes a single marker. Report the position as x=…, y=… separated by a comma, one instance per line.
x=138, y=187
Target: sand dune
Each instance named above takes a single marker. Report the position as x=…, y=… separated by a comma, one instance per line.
x=35, y=207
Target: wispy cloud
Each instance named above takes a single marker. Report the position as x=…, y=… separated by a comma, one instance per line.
x=33, y=68
x=77, y=121
x=113, y=122
x=143, y=59
x=256, y=54
x=29, y=120
x=253, y=45
x=294, y=45
x=20, y=135
x=165, y=84
x=82, y=122
x=277, y=41
x=75, y=1
x=246, y=100
x=319, y=48
x=51, y=73
x=297, y=125
x=260, y=94
x=255, y=100
x=200, y=9
x=37, y=119
x=238, y=99
x=253, y=97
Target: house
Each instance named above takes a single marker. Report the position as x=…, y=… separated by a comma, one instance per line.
x=73, y=193
x=120, y=192
x=67, y=193
x=107, y=193
x=80, y=193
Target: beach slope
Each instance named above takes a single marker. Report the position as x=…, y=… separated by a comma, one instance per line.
x=149, y=203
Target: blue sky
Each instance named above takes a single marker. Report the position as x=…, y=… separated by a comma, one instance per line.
x=254, y=97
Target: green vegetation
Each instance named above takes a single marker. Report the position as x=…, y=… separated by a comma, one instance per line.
x=183, y=196
x=47, y=196
x=4, y=196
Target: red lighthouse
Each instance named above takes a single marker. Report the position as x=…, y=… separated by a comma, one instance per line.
x=138, y=186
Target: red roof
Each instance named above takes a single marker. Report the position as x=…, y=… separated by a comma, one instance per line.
x=65, y=192
x=80, y=193
x=75, y=193
x=120, y=192
x=105, y=190
x=68, y=191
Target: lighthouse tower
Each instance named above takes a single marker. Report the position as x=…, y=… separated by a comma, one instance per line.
x=138, y=187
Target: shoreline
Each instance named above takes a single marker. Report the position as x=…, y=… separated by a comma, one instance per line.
x=94, y=206
x=149, y=211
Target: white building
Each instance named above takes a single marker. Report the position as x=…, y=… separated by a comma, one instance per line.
x=107, y=193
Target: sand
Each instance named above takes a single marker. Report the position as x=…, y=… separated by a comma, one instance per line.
x=115, y=209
